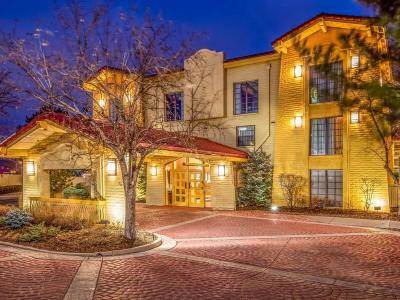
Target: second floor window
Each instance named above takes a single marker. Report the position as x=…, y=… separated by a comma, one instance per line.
x=174, y=106
x=245, y=135
x=113, y=111
x=326, y=82
x=327, y=136
x=246, y=97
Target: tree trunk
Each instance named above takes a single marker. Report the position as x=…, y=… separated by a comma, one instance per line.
x=130, y=212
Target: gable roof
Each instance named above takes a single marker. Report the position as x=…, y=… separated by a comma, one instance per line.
x=320, y=18
x=171, y=140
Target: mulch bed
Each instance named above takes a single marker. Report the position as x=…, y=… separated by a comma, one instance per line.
x=94, y=239
x=332, y=212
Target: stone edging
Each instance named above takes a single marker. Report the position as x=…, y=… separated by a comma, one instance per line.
x=156, y=243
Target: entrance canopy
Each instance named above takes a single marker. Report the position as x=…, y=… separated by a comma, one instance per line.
x=50, y=127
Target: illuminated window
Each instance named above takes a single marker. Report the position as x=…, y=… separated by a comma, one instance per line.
x=327, y=188
x=326, y=136
x=326, y=82
x=246, y=97
x=245, y=135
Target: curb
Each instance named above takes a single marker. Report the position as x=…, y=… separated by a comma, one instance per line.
x=156, y=243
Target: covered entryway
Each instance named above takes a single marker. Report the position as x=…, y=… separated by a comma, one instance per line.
x=188, y=182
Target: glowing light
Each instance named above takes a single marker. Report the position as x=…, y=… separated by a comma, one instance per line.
x=30, y=168
x=221, y=170
x=274, y=208
x=378, y=203
x=355, y=61
x=354, y=117
x=102, y=103
x=111, y=167
x=298, y=121
x=153, y=170
x=298, y=71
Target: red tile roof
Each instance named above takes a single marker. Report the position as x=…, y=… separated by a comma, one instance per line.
x=322, y=17
x=171, y=141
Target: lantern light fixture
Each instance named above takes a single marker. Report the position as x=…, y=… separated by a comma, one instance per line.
x=154, y=171
x=112, y=167
x=355, y=61
x=298, y=121
x=221, y=171
x=298, y=71
x=354, y=117
x=102, y=103
x=30, y=168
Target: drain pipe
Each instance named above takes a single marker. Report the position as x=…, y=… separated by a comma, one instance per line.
x=269, y=108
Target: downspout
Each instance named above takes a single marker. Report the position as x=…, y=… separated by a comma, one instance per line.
x=269, y=108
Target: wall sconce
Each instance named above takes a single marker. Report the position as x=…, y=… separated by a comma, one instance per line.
x=355, y=61
x=354, y=117
x=111, y=167
x=102, y=103
x=30, y=168
x=298, y=71
x=221, y=170
x=298, y=121
x=153, y=170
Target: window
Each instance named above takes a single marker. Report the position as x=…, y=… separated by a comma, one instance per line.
x=327, y=188
x=246, y=97
x=174, y=106
x=245, y=135
x=326, y=136
x=326, y=83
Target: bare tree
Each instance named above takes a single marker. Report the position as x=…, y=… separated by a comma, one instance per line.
x=368, y=190
x=292, y=188
x=109, y=72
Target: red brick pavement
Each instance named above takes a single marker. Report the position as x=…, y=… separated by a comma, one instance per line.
x=229, y=226
x=29, y=278
x=372, y=259
x=150, y=217
x=159, y=277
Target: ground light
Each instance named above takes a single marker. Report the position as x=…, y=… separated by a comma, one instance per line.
x=274, y=208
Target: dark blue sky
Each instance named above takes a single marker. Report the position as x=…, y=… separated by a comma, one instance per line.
x=237, y=27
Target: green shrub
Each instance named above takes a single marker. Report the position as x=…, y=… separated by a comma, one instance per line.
x=2, y=220
x=79, y=192
x=17, y=218
x=256, y=181
x=39, y=232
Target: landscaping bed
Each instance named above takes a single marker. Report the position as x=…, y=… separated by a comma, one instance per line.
x=332, y=212
x=70, y=235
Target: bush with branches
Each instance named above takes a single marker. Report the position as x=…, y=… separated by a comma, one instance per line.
x=292, y=188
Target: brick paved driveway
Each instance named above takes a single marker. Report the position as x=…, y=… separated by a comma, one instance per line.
x=227, y=255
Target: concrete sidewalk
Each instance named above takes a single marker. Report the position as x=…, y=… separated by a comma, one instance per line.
x=381, y=224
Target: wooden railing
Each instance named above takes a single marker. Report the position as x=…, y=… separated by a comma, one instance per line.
x=10, y=189
x=394, y=198
x=85, y=209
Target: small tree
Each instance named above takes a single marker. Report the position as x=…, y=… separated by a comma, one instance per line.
x=292, y=188
x=256, y=180
x=142, y=183
x=368, y=189
x=60, y=180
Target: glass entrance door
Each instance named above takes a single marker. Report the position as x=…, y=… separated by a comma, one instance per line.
x=196, y=189
x=180, y=189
